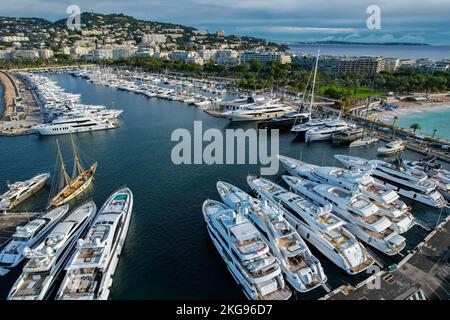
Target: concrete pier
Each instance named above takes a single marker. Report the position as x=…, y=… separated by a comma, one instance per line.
x=423, y=273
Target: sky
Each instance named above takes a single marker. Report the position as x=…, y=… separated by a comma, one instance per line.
x=417, y=21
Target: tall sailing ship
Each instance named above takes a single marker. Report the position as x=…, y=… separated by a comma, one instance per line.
x=71, y=186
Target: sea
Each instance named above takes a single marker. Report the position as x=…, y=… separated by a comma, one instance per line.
x=428, y=120
x=388, y=51
x=168, y=253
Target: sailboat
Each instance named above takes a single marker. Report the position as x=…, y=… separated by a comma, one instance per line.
x=302, y=128
x=70, y=187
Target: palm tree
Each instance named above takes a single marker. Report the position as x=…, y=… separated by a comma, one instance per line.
x=415, y=126
x=434, y=132
x=393, y=124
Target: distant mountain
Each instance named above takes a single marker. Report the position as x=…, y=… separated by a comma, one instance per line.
x=122, y=28
x=361, y=43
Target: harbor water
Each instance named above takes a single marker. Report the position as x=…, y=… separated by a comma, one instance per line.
x=168, y=253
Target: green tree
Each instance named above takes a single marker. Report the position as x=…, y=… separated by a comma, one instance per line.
x=415, y=126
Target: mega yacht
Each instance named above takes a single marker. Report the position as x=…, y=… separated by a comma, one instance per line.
x=325, y=131
x=28, y=235
x=347, y=136
x=300, y=268
x=363, y=217
x=245, y=252
x=286, y=120
x=392, y=147
x=317, y=224
x=302, y=128
x=386, y=199
x=255, y=112
x=47, y=260
x=406, y=182
x=76, y=124
x=435, y=172
x=92, y=265
x=70, y=187
x=22, y=190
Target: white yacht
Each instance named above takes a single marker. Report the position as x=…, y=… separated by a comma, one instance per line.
x=435, y=172
x=22, y=190
x=363, y=217
x=48, y=258
x=325, y=131
x=257, y=112
x=302, y=128
x=392, y=147
x=406, y=182
x=65, y=125
x=318, y=225
x=28, y=235
x=365, y=141
x=92, y=265
x=300, y=268
x=386, y=199
x=245, y=252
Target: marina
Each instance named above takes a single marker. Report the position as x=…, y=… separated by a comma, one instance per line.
x=145, y=166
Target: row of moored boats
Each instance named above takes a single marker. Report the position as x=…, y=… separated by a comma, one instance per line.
x=69, y=254
x=262, y=237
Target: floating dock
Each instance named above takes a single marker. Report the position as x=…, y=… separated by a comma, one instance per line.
x=423, y=274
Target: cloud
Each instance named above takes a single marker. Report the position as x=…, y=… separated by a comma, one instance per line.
x=277, y=20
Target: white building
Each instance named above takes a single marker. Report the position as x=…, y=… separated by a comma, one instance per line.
x=14, y=39
x=45, y=53
x=265, y=57
x=154, y=38
x=29, y=54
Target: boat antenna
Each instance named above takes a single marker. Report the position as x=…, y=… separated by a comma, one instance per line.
x=64, y=180
x=314, y=84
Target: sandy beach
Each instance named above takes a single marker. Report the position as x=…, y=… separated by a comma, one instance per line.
x=387, y=116
x=437, y=103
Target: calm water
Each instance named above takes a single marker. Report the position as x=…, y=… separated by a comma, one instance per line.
x=168, y=253
x=437, y=119
x=391, y=51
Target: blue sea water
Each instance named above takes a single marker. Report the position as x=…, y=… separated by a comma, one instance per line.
x=429, y=120
x=389, y=51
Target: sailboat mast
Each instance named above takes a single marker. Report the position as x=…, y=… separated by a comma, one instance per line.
x=64, y=176
x=77, y=168
x=314, y=85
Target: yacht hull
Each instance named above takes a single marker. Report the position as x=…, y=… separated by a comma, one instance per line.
x=30, y=192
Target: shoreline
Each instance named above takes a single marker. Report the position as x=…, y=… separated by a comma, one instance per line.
x=388, y=116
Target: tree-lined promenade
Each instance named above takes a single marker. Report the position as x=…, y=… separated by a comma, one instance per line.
x=350, y=88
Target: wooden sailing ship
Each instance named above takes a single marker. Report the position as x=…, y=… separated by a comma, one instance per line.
x=70, y=187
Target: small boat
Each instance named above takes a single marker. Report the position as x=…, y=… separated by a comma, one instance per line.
x=70, y=187
x=365, y=141
x=28, y=235
x=92, y=265
x=392, y=147
x=49, y=257
x=22, y=190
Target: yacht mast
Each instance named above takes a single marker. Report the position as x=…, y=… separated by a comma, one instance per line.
x=314, y=84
